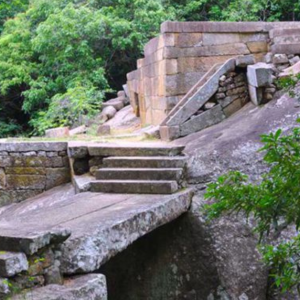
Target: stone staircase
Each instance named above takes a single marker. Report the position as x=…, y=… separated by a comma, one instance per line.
x=135, y=169
x=191, y=114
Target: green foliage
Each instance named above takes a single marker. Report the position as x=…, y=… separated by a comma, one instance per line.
x=9, y=8
x=274, y=202
x=52, y=49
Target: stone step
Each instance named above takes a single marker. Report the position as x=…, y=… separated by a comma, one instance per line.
x=139, y=174
x=135, y=150
x=12, y=263
x=145, y=162
x=134, y=186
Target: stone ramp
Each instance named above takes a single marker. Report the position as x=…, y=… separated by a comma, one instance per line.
x=101, y=225
x=206, y=103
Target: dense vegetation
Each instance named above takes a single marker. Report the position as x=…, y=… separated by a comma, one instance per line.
x=274, y=203
x=60, y=58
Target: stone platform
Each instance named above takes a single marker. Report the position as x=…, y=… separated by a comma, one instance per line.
x=101, y=225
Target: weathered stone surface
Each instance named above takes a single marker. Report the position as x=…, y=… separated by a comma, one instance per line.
x=256, y=94
x=78, y=130
x=259, y=75
x=232, y=107
x=25, y=170
x=131, y=149
x=57, y=176
x=293, y=70
x=152, y=132
x=169, y=133
x=92, y=219
x=18, y=238
x=116, y=103
x=33, y=146
x=280, y=59
x=26, y=182
x=161, y=187
x=294, y=60
x=104, y=130
x=57, y=132
x=2, y=179
x=77, y=150
x=206, y=91
x=139, y=174
x=257, y=46
x=82, y=183
x=92, y=287
x=9, y=197
x=109, y=112
x=12, y=263
x=4, y=287
x=145, y=162
x=229, y=49
x=286, y=48
x=244, y=61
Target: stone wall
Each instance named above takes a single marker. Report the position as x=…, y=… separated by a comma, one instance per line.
x=176, y=60
x=28, y=169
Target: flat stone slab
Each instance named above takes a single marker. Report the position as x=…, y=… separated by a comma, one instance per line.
x=134, y=150
x=145, y=162
x=101, y=225
x=91, y=287
x=33, y=146
x=135, y=186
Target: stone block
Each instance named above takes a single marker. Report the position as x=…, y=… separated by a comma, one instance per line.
x=25, y=170
x=57, y=132
x=211, y=39
x=280, y=59
x=78, y=130
x=26, y=182
x=256, y=95
x=200, y=122
x=109, y=112
x=293, y=70
x=286, y=48
x=2, y=181
x=184, y=40
x=218, y=50
x=116, y=103
x=57, y=176
x=169, y=133
x=233, y=107
x=33, y=146
x=259, y=75
x=242, y=27
x=294, y=60
x=257, y=47
x=244, y=61
x=103, y=130
x=12, y=263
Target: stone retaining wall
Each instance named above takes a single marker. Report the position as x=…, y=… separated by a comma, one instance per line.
x=176, y=60
x=28, y=169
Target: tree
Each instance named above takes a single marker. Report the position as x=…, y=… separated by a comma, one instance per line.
x=273, y=202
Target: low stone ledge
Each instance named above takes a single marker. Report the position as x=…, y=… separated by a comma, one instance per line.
x=239, y=27
x=33, y=146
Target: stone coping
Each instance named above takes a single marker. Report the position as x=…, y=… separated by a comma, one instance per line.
x=223, y=27
x=33, y=146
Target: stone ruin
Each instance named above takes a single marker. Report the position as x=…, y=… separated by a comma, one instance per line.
x=196, y=74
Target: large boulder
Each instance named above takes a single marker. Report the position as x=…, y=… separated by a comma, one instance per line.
x=233, y=145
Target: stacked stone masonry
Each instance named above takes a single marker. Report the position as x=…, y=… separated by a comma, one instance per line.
x=28, y=169
x=184, y=52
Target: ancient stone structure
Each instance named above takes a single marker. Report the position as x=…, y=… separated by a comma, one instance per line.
x=30, y=168
x=187, y=60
